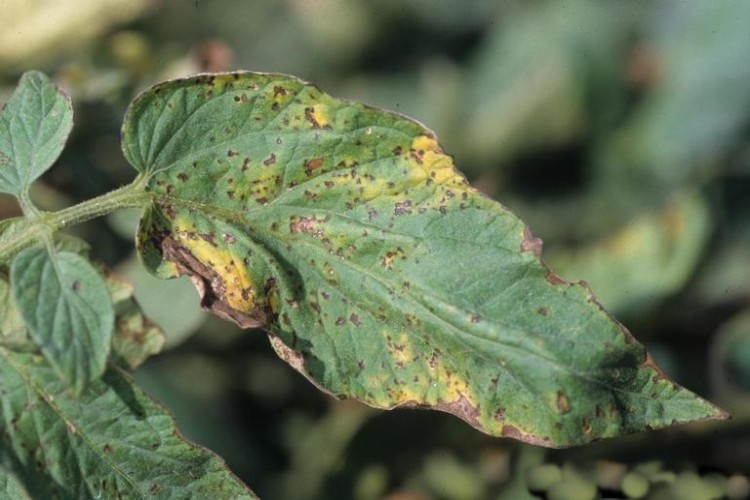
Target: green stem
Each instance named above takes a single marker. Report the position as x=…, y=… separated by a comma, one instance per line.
x=41, y=223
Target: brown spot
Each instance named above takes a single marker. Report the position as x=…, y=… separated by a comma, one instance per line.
x=516, y=433
x=433, y=361
x=555, y=278
x=562, y=402
x=182, y=176
x=531, y=243
x=462, y=408
x=340, y=321
x=355, y=319
x=586, y=426
x=232, y=153
x=402, y=207
x=76, y=286
x=245, y=164
x=229, y=239
x=307, y=225
x=270, y=160
x=107, y=448
x=543, y=311
x=277, y=91
x=649, y=364
x=208, y=238
x=417, y=155
x=312, y=165
x=210, y=286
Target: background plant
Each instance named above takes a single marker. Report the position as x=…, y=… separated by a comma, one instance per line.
x=647, y=204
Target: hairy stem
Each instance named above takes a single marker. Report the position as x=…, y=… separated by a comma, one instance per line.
x=45, y=223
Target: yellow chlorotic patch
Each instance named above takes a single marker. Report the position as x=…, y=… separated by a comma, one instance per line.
x=415, y=380
x=400, y=349
x=319, y=116
x=273, y=302
x=451, y=387
x=239, y=292
x=428, y=154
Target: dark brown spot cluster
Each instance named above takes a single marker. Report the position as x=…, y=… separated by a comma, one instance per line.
x=402, y=207
x=392, y=256
x=307, y=225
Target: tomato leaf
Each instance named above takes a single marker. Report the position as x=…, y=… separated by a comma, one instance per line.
x=34, y=125
x=67, y=310
x=113, y=441
x=136, y=338
x=380, y=273
x=11, y=487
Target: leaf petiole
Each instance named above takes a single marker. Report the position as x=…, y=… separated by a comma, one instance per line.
x=44, y=223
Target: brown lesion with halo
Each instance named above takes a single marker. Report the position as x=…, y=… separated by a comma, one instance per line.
x=212, y=288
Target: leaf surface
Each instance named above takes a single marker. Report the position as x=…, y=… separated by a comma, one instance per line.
x=34, y=125
x=111, y=442
x=11, y=487
x=379, y=272
x=65, y=305
x=136, y=338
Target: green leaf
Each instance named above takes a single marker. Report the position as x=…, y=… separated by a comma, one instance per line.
x=34, y=125
x=136, y=338
x=379, y=272
x=64, y=303
x=13, y=331
x=11, y=487
x=111, y=442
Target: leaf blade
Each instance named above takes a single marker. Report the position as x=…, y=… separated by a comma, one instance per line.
x=111, y=441
x=65, y=305
x=34, y=125
x=380, y=273
x=11, y=487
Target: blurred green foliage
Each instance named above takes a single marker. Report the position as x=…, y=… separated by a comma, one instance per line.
x=618, y=130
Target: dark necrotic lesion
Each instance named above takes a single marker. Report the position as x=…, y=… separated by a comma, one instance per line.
x=211, y=287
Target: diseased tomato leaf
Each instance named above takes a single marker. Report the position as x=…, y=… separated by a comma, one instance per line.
x=112, y=441
x=379, y=272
